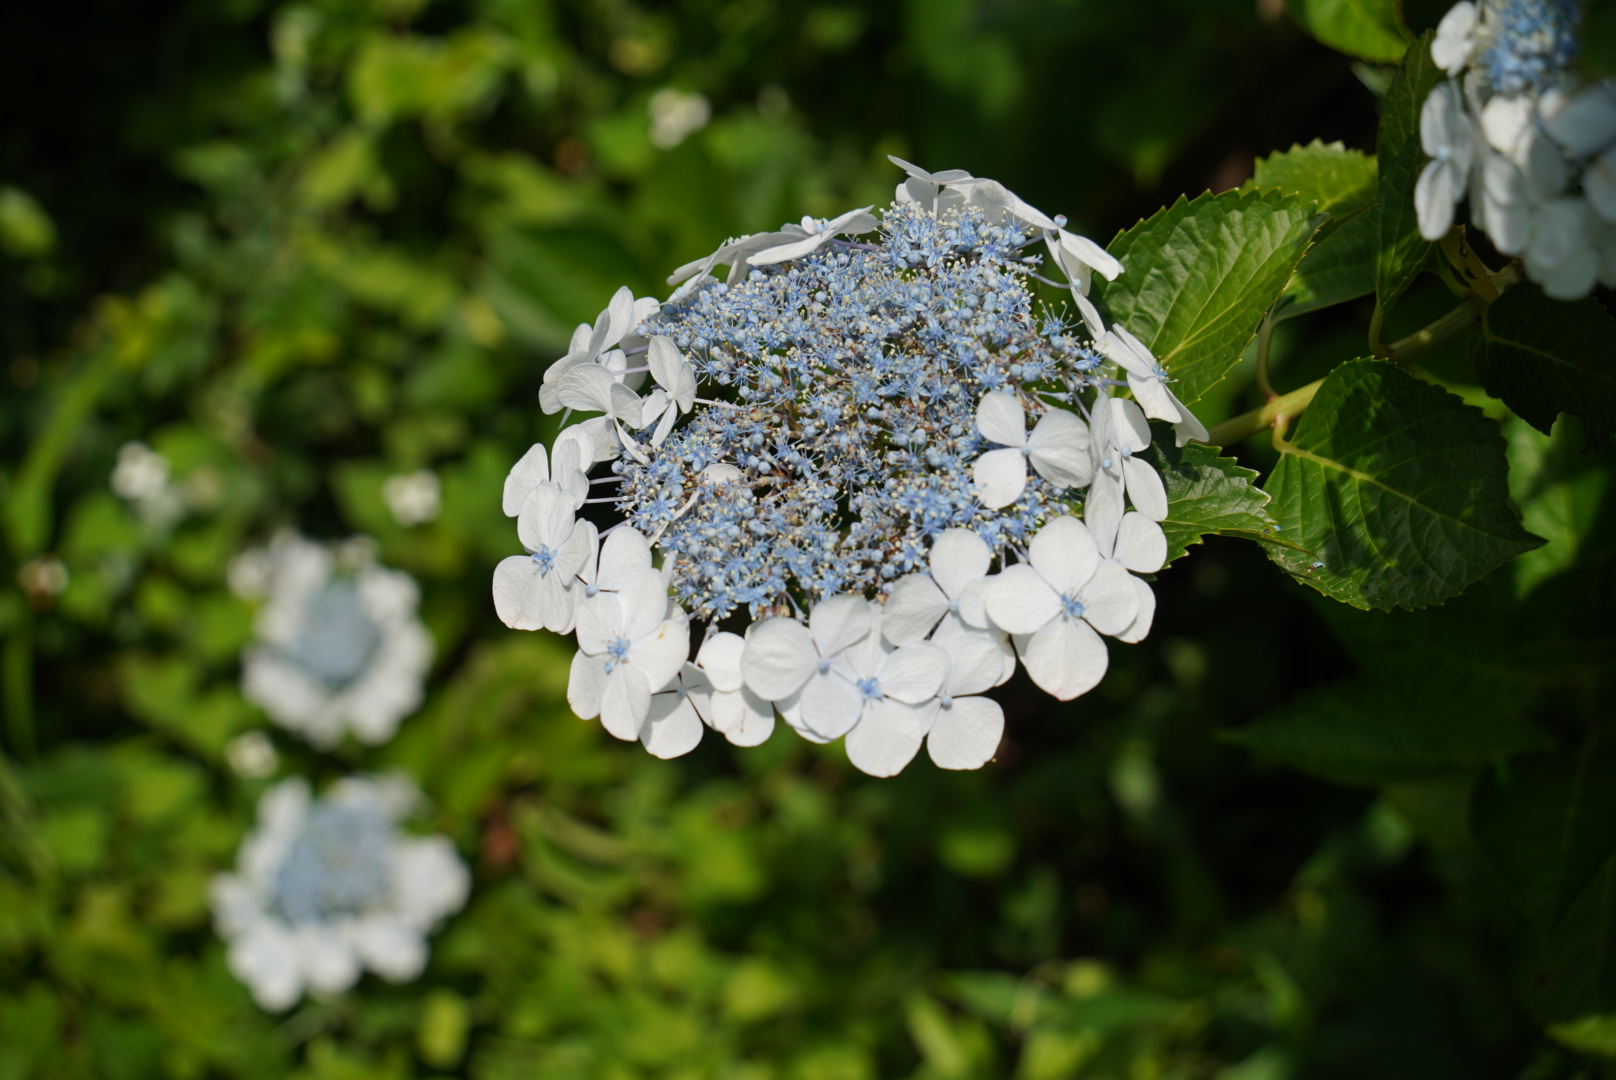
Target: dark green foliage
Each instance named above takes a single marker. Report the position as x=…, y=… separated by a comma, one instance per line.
x=1542, y=357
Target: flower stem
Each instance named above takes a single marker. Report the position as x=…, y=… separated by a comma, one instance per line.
x=1265, y=337
x=1444, y=329
x=1280, y=408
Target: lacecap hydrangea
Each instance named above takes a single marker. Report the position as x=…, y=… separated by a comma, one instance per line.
x=798, y=475
x=326, y=888
x=1526, y=137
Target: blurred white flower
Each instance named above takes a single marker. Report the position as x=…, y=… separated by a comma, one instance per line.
x=413, y=498
x=676, y=115
x=336, y=650
x=252, y=756
x=141, y=478
x=42, y=579
x=326, y=888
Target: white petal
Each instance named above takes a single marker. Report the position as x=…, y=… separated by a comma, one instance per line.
x=600, y=622
x=389, y=947
x=625, y=702
x=1154, y=397
x=1187, y=426
x=720, y=657
x=740, y=716
x=624, y=555
x=1584, y=122
x=545, y=520
x=672, y=726
x=1091, y=315
x=1599, y=185
x=1145, y=489
x=1020, y=601
x=1455, y=36
x=1504, y=121
x=577, y=553
x=587, y=388
x=586, y=683
x=886, y=738
x=966, y=735
x=1060, y=449
x=1000, y=477
x=838, y=622
x=830, y=704
x=325, y=958
x=1147, y=612
x=1130, y=430
x=265, y=959
x=975, y=658
x=557, y=605
x=528, y=473
x=913, y=607
x=1435, y=192
x=1092, y=254
x=778, y=658
x=1065, y=658
x=1128, y=351
x=958, y=557
x=973, y=604
x=914, y=673
x=619, y=314
x=1001, y=419
x=1064, y=554
x=1141, y=544
x=429, y=880
x=516, y=593
x=659, y=655
x=644, y=604
x=1110, y=603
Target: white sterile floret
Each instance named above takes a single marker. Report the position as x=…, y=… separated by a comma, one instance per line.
x=1120, y=432
x=1058, y=449
x=601, y=345
x=786, y=662
x=1561, y=256
x=1059, y=602
x=539, y=590
x=1455, y=37
x=628, y=649
x=726, y=703
x=937, y=191
x=141, y=473
x=325, y=889
x=1147, y=380
x=815, y=234
x=621, y=558
x=675, y=392
x=956, y=585
x=1449, y=136
x=337, y=649
x=1583, y=121
x=672, y=725
x=572, y=455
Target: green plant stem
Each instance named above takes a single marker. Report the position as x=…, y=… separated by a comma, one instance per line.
x=1265, y=337
x=1283, y=406
x=1444, y=329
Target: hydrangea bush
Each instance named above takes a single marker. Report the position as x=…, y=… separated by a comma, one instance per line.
x=891, y=414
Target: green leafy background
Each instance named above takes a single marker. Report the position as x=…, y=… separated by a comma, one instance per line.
x=301, y=247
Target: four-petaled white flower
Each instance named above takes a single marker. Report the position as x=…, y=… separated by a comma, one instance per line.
x=628, y=648
x=1058, y=449
x=726, y=703
x=963, y=729
x=538, y=591
x=675, y=391
x=1120, y=432
x=572, y=455
x=956, y=585
x=337, y=650
x=936, y=191
x=1147, y=379
x=327, y=888
x=1449, y=136
x=812, y=235
x=1059, y=602
x=786, y=662
x=601, y=345
x=879, y=697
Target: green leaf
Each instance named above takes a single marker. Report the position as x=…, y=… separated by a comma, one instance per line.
x=1336, y=178
x=1599, y=38
x=1340, y=266
x=1367, y=29
x=1545, y=824
x=1206, y=494
x=1379, y=729
x=1200, y=274
x=1402, y=252
x=1542, y=357
x=1398, y=486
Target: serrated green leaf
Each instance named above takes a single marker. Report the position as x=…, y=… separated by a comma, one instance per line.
x=1206, y=493
x=1542, y=357
x=1402, y=252
x=1545, y=824
x=1199, y=275
x=1338, y=268
x=1367, y=29
x=1336, y=178
x=1398, y=486
x=1379, y=729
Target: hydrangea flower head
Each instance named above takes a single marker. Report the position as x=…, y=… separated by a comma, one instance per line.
x=835, y=444
x=327, y=888
x=339, y=647
x=1519, y=132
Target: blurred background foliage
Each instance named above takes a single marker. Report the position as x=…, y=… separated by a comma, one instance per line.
x=300, y=248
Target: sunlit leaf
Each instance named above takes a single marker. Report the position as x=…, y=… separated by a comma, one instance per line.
x=1402, y=252
x=1208, y=494
x=1367, y=29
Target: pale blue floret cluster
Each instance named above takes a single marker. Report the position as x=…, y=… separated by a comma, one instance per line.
x=1532, y=44
x=854, y=374
x=339, y=865
x=339, y=639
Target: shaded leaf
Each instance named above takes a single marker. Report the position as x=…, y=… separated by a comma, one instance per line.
x=1402, y=252
x=1367, y=29
x=1340, y=266
x=1207, y=493
x=1542, y=357
x=1546, y=825
x=1200, y=274
x=1376, y=729
x=1398, y=486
